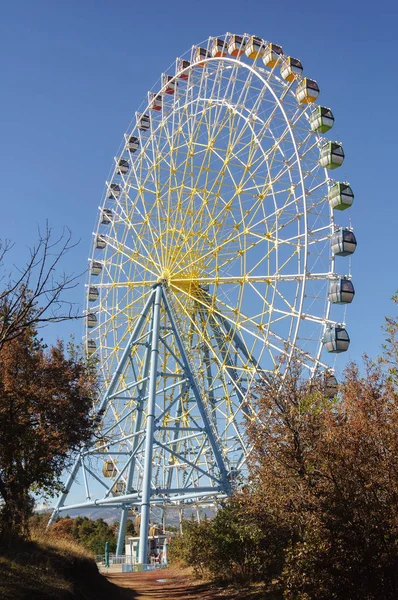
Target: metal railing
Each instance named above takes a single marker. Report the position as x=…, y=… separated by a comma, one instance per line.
x=128, y=563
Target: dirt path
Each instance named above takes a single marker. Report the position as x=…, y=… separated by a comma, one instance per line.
x=167, y=584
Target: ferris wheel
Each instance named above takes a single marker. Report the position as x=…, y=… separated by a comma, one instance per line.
x=216, y=260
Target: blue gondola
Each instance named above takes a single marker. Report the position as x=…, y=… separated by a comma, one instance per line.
x=96, y=268
x=343, y=242
x=106, y=216
x=122, y=166
x=114, y=191
x=336, y=339
x=330, y=384
x=100, y=242
x=91, y=347
x=133, y=143
x=91, y=320
x=93, y=293
x=341, y=291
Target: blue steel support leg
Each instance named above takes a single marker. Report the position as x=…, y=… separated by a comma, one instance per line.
x=121, y=532
x=150, y=427
x=105, y=398
x=126, y=354
x=202, y=409
x=131, y=468
x=68, y=485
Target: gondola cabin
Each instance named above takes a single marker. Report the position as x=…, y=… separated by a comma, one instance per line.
x=200, y=55
x=340, y=196
x=155, y=101
x=343, y=242
x=182, y=69
x=254, y=47
x=133, y=143
x=291, y=68
x=218, y=48
x=122, y=166
x=330, y=385
x=272, y=55
x=114, y=191
x=236, y=45
x=341, y=291
x=143, y=122
x=331, y=155
x=100, y=242
x=336, y=339
x=169, y=84
x=91, y=320
x=96, y=268
x=109, y=469
x=307, y=91
x=91, y=347
x=321, y=119
x=119, y=488
x=93, y=293
x=106, y=216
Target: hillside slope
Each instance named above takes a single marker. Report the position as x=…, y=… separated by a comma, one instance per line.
x=51, y=570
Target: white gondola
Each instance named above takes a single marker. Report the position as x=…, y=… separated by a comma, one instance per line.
x=200, y=55
x=291, y=68
x=236, y=45
x=114, y=191
x=219, y=48
x=96, y=268
x=307, y=91
x=122, y=166
x=336, y=339
x=340, y=195
x=331, y=155
x=106, y=216
x=91, y=347
x=91, y=320
x=330, y=385
x=93, y=293
x=133, y=143
x=155, y=101
x=254, y=47
x=343, y=242
x=321, y=119
x=272, y=55
x=143, y=122
x=169, y=83
x=182, y=69
x=100, y=242
x=341, y=291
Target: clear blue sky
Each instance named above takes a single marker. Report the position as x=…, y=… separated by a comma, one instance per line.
x=74, y=72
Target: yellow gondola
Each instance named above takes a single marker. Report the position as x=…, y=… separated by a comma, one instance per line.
x=307, y=91
x=272, y=55
x=254, y=47
x=109, y=469
x=291, y=68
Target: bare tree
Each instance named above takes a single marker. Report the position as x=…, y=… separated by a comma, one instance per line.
x=35, y=295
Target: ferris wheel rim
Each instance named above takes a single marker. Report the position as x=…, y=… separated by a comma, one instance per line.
x=233, y=61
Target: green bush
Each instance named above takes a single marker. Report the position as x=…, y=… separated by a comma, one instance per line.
x=234, y=546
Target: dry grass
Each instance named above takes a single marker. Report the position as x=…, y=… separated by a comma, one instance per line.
x=50, y=568
x=64, y=545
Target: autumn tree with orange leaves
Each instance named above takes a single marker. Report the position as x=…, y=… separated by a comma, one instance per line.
x=328, y=470
x=46, y=393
